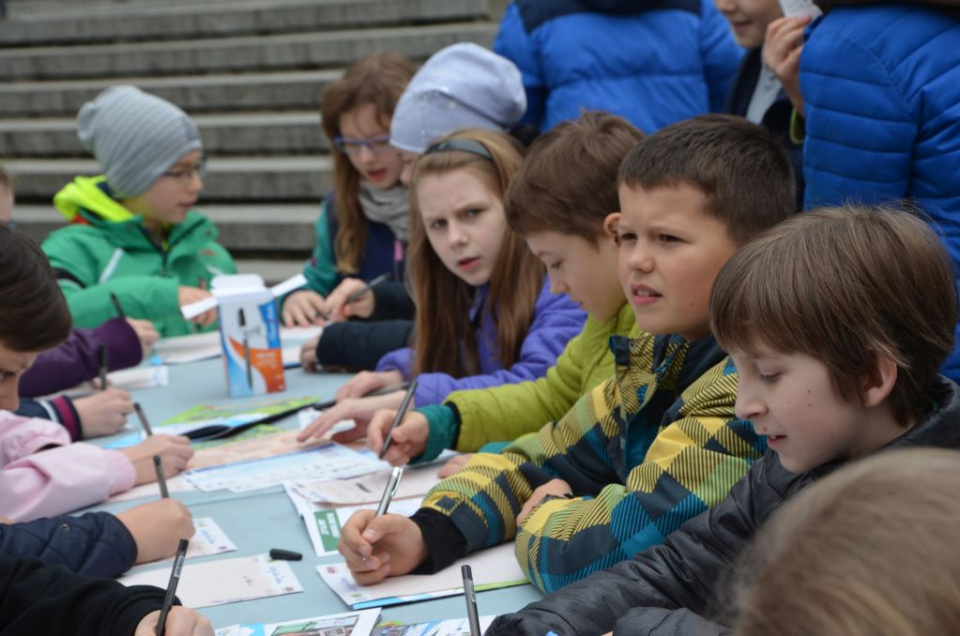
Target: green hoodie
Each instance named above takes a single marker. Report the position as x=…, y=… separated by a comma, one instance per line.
x=106, y=249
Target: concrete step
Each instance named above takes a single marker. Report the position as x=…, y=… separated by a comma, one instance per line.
x=138, y=22
x=223, y=134
x=229, y=179
x=288, y=52
x=296, y=90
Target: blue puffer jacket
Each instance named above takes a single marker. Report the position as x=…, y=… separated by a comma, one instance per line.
x=555, y=321
x=653, y=62
x=96, y=544
x=881, y=86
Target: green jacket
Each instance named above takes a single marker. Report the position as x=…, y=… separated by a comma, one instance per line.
x=106, y=249
x=470, y=419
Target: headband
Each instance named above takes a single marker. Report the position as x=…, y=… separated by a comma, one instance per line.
x=463, y=145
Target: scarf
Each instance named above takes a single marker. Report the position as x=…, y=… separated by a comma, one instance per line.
x=390, y=207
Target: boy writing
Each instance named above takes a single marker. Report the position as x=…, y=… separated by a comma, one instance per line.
x=658, y=442
x=828, y=372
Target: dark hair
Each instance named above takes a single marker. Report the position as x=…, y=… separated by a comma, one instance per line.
x=740, y=167
x=33, y=311
x=568, y=182
x=845, y=285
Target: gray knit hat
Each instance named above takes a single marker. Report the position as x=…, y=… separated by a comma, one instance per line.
x=461, y=86
x=135, y=137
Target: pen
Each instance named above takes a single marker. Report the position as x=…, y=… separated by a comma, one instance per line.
x=117, y=306
x=242, y=320
x=355, y=296
x=470, y=594
x=172, y=585
x=143, y=419
x=390, y=490
x=161, y=478
x=400, y=413
x=321, y=406
x=102, y=361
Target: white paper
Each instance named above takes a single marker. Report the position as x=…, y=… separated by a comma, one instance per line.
x=307, y=415
x=186, y=349
x=224, y=581
x=287, y=286
x=494, y=567
x=174, y=485
x=140, y=378
x=348, y=624
x=208, y=539
x=799, y=8
x=368, y=489
x=195, y=309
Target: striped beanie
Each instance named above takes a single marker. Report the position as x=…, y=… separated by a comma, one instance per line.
x=135, y=137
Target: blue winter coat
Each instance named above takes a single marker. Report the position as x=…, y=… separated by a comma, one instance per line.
x=96, y=544
x=653, y=62
x=881, y=86
x=556, y=320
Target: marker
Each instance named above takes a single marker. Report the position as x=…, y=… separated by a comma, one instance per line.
x=172, y=586
x=161, y=478
x=396, y=420
x=392, y=485
x=102, y=363
x=143, y=419
x=355, y=296
x=470, y=594
x=285, y=555
x=242, y=320
x=117, y=306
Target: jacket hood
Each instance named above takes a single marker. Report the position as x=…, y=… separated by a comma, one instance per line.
x=90, y=193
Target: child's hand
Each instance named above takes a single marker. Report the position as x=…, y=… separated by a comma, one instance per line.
x=157, y=527
x=781, y=54
x=104, y=412
x=308, y=354
x=409, y=438
x=181, y=621
x=359, y=410
x=174, y=452
x=367, y=381
x=554, y=487
x=454, y=466
x=304, y=308
x=190, y=295
x=337, y=308
x=377, y=547
x=146, y=333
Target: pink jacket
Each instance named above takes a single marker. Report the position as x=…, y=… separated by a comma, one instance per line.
x=41, y=483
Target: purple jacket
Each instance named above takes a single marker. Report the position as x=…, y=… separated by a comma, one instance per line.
x=556, y=320
x=75, y=361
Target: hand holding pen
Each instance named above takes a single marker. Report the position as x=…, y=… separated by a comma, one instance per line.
x=353, y=298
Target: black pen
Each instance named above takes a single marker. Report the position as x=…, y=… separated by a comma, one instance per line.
x=470, y=594
x=172, y=586
x=117, y=306
x=102, y=361
x=355, y=296
x=161, y=478
x=242, y=320
x=392, y=485
x=143, y=419
x=387, y=440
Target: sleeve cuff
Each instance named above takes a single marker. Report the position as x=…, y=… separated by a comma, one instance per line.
x=123, y=469
x=443, y=428
x=444, y=542
x=67, y=416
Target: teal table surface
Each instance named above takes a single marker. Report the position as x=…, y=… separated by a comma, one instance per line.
x=260, y=520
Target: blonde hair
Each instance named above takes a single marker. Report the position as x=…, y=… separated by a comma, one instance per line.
x=869, y=550
x=444, y=339
x=378, y=80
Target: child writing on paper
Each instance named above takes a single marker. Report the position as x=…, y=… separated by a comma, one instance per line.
x=828, y=373
x=41, y=472
x=133, y=231
x=485, y=314
x=363, y=225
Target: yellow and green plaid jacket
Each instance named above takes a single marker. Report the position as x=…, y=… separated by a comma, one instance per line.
x=644, y=452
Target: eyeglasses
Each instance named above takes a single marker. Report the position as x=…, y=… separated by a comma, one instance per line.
x=185, y=174
x=377, y=145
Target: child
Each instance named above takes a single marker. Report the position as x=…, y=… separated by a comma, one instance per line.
x=869, y=550
x=570, y=225
x=363, y=225
x=658, y=442
x=133, y=231
x=41, y=472
x=485, y=314
x=828, y=372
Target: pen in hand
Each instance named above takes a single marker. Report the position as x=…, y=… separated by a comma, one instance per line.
x=388, y=439
x=143, y=419
x=355, y=296
x=117, y=306
x=161, y=478
x=102, y=362
x=392, y=485
x=172, y=586
x=470, y=594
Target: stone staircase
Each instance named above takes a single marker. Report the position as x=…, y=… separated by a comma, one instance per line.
x=250, y=72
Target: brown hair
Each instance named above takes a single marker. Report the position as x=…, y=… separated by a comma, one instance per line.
x=740, y=167
x=444, y=340
x=868, y=550
x=378, y=80
x=845, y=285
x=5, y=178
x=568, y=182
x=33, y=311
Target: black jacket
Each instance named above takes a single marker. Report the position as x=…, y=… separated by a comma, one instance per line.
x=668, y=588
